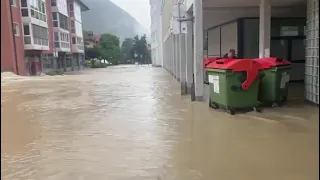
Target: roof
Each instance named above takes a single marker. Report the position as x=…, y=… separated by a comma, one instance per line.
x=82, y=5
x=98, y=38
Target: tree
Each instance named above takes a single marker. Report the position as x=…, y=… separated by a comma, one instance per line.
x=126, y=50
x=109, y=48
x=92, y=53
x=140, y=48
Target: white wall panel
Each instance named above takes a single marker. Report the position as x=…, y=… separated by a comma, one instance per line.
x=77, y=12
x=62, y=7
x=78, y=29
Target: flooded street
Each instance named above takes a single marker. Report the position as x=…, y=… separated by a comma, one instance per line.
x=130, y=123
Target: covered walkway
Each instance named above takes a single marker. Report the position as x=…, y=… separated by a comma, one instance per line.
x=255, y=28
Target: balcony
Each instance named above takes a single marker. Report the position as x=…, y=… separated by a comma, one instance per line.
x=62, y=41
x=35, y=37
x=35, y=43
x=77, y=44
x=34, y=15
x=61, y=46
x=76, y=48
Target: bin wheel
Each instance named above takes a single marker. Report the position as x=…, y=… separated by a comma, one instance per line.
x=213, y=105
x=282, y=101
x=230, y=111
x=257, y=109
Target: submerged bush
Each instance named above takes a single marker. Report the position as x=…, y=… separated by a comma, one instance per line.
x=99, y=65
x=55, y=72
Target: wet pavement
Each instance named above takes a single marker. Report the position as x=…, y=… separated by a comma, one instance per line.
x=130, y=123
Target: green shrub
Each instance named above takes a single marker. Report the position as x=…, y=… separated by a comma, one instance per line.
x=87, y=63
x=99, y=65
x=55, y=72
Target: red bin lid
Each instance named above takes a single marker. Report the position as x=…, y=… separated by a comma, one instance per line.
x=251, y=67
x=267, y=63
x=234, y=64
x=209, y=60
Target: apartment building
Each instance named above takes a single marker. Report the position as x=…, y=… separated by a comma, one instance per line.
x=90, y=39
x=75, y=7
x=39, y=34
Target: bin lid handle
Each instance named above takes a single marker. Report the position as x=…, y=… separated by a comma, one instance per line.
x=220, y=62
x=251, y=76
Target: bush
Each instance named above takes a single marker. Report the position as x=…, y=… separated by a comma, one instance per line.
x=55, y=72
x=99, y=65
x=87, y=63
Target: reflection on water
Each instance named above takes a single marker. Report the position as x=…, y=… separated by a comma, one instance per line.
x=129, y=122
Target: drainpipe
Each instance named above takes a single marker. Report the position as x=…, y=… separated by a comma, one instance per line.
x=14, y=40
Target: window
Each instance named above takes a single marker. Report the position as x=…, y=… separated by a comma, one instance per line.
x=43, y=7
x=71, y=7
x=55, y=23
x=72, y=25
x=53, y=3
x=73, y=40
x=27, y=39
x=63, y=22
x=26, y=30
x=13, y=3
x=54, y=16
x=16, y=29
x=40, y=35
x=56, y=36
x=55, y=19
x=38, y=10
x=24, y=3
x=24, y=12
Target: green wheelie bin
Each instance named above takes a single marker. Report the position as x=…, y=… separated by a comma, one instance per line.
x=275, y=76
x=234, y=84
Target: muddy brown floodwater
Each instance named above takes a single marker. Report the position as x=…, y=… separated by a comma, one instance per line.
x=130, y=123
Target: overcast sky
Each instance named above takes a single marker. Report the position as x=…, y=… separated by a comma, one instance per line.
x=139, y=9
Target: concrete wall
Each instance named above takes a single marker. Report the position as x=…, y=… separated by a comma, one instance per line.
x=11, y=52
x=156, y=32
x=77, y=12
x=166, y=17
x=61, y=7
x=7, y=47
x=78, y=26
x=50, y=27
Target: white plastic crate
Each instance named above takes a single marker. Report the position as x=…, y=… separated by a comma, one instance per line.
x=312, y=52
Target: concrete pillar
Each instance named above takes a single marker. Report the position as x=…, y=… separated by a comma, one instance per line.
x=183, y=64
x=172, y=55
x=64, y=64
x=264, y=28
x=189, y=54
x=177, y=56
x=198, y=50
x=164, y=55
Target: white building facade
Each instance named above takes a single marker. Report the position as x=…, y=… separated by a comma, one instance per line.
x=156, y=33
x=254, y=28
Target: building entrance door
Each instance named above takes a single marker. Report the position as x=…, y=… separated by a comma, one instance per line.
x=291, y=48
